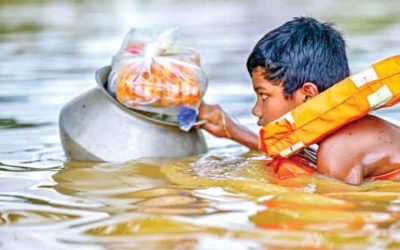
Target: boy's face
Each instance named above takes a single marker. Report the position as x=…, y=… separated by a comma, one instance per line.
x=271, y=101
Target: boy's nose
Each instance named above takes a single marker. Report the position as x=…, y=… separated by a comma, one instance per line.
x=256, y=111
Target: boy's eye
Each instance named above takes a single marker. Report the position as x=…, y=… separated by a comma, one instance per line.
x=264, y=96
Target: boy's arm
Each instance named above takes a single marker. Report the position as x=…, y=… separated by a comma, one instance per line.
x=339, y=156
x=338, y=167
x=366, y=147
x=359, y=149
x=219, y=124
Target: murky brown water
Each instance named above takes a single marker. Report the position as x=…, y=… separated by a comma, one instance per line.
x=223, y=200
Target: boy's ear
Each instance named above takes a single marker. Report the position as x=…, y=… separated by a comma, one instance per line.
x=309, y=90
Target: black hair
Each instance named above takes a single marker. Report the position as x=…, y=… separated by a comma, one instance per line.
x=301, y=50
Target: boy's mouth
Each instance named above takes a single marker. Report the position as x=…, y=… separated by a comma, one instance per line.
x=259, y=122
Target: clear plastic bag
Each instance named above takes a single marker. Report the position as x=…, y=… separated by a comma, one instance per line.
x=150, y=73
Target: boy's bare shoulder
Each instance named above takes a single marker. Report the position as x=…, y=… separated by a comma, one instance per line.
x=367, y=147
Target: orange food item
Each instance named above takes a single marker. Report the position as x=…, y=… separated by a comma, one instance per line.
x=152, y=73
x=160, y=86
x=350, y=99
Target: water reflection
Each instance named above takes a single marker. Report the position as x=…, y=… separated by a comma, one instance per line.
x=12, y=123
x=206, y=205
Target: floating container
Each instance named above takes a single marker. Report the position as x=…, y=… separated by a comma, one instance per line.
x=96, y=127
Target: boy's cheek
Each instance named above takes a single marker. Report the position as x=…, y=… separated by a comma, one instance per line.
x=264, y=120
x=272, y=115
x=267, y=117
x=272, y=109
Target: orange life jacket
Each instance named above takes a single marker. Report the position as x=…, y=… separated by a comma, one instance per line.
x=295, y=166
x=352, y=98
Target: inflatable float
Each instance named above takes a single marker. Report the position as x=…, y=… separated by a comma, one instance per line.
x=374, y=88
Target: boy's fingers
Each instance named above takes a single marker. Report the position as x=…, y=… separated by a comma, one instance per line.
x=207, y=116
x=203, y=107
x=210, y=114
x=206, y=108
x=210, y=128
x=199, y=123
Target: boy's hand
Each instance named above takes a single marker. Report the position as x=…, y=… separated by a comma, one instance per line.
x=218, y=123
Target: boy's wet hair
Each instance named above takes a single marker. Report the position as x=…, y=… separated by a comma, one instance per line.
x=301, y=50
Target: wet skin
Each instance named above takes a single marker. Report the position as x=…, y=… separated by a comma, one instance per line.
x=367, y=147
x=364, y=148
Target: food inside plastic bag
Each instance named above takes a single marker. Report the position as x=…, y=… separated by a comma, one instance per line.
x=160, y=86
x=150, y=73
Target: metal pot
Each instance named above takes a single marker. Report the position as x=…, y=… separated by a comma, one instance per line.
x=96, y=127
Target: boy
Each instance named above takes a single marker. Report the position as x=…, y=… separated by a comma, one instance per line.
x=291, y=64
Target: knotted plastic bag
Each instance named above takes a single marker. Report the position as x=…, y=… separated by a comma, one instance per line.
x=151, y=73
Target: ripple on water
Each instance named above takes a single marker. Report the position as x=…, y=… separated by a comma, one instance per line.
x=14, y=124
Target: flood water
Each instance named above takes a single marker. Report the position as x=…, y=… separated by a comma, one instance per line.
x=221, y=200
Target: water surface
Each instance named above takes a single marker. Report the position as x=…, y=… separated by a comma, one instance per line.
x=221, y=200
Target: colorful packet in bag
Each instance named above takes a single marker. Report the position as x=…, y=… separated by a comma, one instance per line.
x=151, y=73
